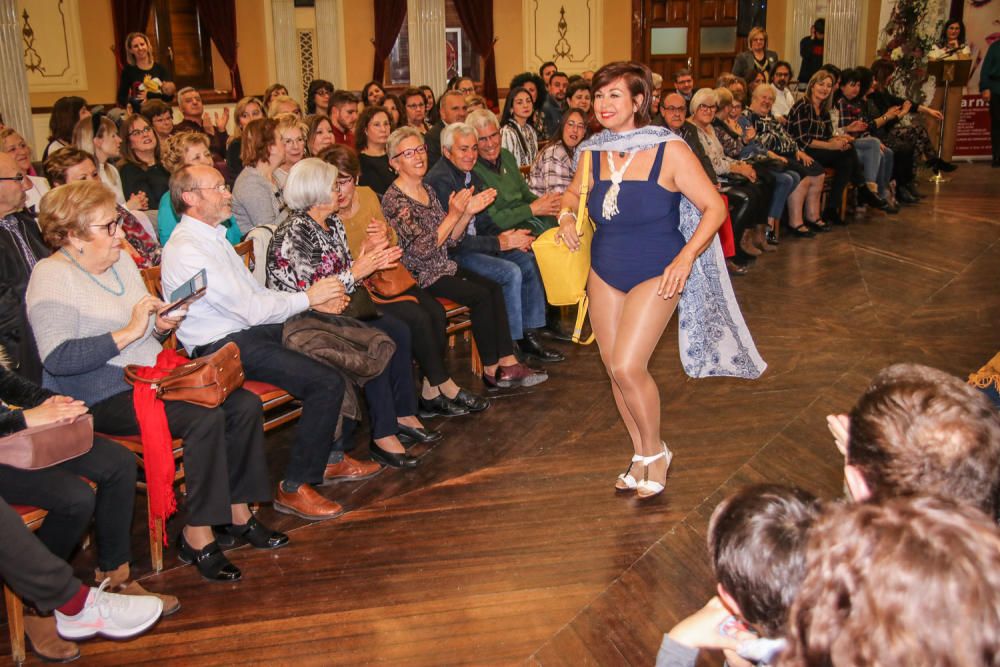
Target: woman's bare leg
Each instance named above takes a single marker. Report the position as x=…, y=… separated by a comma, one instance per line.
x=796, y=201
x=814, y=199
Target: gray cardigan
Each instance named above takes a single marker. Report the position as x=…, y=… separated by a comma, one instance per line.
x=256, y=201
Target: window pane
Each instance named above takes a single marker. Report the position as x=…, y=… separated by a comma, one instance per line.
x=718, y=40
x=669, y=41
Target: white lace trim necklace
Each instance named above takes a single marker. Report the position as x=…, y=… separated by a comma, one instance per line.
x=609, y=208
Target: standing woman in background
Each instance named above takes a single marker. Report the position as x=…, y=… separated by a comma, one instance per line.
x=641, y=262
x=757, y=59
x=142, y=78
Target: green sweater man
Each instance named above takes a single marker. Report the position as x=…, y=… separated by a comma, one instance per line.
x=515, y=205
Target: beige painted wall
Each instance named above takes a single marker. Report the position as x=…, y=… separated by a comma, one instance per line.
x=359, y=23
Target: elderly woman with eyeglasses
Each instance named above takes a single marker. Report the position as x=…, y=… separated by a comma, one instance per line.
x=92, y=316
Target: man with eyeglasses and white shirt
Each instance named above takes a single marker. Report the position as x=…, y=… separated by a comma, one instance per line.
x=237, y=309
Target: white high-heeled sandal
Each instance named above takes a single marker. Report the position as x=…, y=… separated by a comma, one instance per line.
x=648, y=488
x=625, y=481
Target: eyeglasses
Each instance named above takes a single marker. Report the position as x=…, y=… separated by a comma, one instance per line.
x=145, y=130
x=467, y=90
x=220, y=188
x=16, y=177
x=489, y=138
x=709, y=107
x=575, y=125
x=410, y=152
x=345, y=182
x=110, y=227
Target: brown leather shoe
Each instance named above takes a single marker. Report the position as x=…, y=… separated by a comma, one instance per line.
x=46, y=642
x=350, y=470
x=120, y=584
x=306, y=503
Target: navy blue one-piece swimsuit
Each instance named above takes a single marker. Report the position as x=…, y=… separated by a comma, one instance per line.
x=644, y=237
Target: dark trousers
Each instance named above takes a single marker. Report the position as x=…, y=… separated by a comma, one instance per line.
x=427, y=324
x=320, y=388
x=223, y=450
x=391, y=394
x=489, y=312
x=71, y=502
x=904, y=167
x=746, y=209
x=844, y=165
x=995, y=125
x=30, y=569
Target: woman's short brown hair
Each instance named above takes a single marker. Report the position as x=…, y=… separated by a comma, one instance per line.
x=65, y=158
x=175, y=147
x=908, y=581
x=638, y=79
x=258, y=137
x=343, y=158
x=71, y=208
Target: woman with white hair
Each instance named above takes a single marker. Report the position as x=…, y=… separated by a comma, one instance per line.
x=311, y=244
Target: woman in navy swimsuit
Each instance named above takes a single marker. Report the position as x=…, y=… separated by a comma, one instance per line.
x=640, y=261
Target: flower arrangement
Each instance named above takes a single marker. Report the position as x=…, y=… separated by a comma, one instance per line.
x=908, y=38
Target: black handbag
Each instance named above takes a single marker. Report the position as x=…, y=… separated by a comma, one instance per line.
x=361, y=306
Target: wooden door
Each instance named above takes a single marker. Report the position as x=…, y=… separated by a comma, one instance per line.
x=699, y=34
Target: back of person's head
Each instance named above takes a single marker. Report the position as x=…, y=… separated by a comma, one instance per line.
x=344, y=158
x=757, y=542
x=920, y=430
x=258, y=136
x=65, y=115
x=908, y=581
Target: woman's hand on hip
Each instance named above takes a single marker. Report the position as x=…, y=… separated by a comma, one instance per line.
x=675, y=277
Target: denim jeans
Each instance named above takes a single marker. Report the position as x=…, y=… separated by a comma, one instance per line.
x=784, y=183
x=517, y=274
x=885, y=172
x=870, y=155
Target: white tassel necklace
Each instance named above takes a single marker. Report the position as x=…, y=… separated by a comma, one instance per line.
x=609, y=208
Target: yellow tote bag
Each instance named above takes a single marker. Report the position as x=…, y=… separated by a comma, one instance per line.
x=564, y=272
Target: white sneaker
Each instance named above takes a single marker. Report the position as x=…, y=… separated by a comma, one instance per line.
x=110, y=614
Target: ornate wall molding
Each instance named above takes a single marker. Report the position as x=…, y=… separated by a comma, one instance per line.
x=307, y=57
x=568, y=32
x=52, y=45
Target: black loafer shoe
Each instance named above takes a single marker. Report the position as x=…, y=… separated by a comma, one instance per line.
x=411, y=436
x=470, y=401
x=532, y=348
x=904, y=196
x=866, y=196
x=440, y=406
x=212, y=564
x=771, y=238
x=253, y=532
x=391, y=459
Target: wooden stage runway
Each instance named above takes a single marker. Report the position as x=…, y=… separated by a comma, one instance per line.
x=508, y=545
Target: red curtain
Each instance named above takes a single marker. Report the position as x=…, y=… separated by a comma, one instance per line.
x=219, y=17
x=477, y=19
x=127, y=16
x=389, y=16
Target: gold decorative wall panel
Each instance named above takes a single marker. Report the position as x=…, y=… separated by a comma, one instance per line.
x=567, y=32
x=52, y=43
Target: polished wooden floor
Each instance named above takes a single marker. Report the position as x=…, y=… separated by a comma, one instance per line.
x=508, y=546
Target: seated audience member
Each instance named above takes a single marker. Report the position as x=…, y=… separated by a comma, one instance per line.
x=853, y=120
x=554, y=105
x=196, y=119
x=84, y=358
x=654, y=99
x=319, y=134
x=425, y=233
x=473, y=102
x=238, y=309
x=394, y=107
x=553, y=170
x=291, y=132
x=63, y=491
x=464, y=85
x=901, y=166
x=684, y=84
x=179, y=151
x=374, y=128
x=161, y=116
x=142, y=78
x=452, y=110
x=516, y=134
x=364, y=224
x=432, y=114
x=309, y=245
x=772, y=135
x=21, y=247
x=504, y=257
x=256, y=195
x=546, y=71
x=757, y=59
x=98, y=136
x=784, y=98
x=47, y=582
x=415, y=109
x=14, y=144
x=283, y=104
x=247, y=109
x=809, y=124
x=889, y=583
x=344, y=116
x=67, y=165
x=272, y=92
x=318, y=97
x=578, y=97
x=920, y=430
x=140, y=169
x=372, y=94
x=516, y=206
x=66, y=113
x=757, y=545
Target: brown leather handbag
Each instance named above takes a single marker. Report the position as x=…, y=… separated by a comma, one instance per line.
x=206, y=381
x=388, y=285
x=38, y=447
